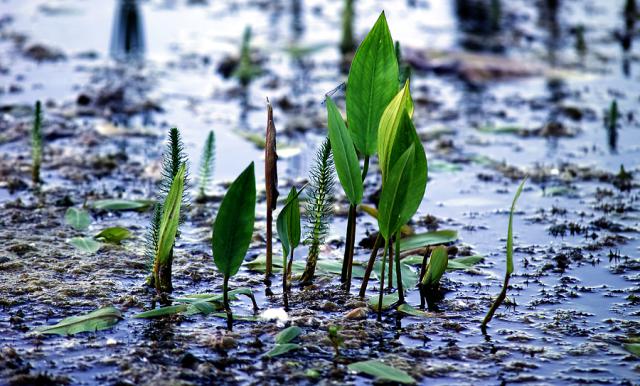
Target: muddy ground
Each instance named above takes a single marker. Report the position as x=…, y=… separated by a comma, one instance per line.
x=493, y=104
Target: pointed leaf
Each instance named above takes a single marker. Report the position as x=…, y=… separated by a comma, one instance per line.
x=372, y=83
x=288, y=334
x=288, y=223
x=100, y=319
x=280, y=349
x=510, y=230
x=389, y=123
x=163, y=311
x=393, y=195
x=438, y=262
x=170, y=218
x=382, y=372
x=233, y=226
x=113, y=234
x=344, y=155
x=428, y=238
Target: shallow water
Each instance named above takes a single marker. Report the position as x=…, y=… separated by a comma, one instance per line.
x=574, y=307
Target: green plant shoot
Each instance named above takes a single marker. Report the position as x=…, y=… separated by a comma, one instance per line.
x=206, y=164
x=288, y=226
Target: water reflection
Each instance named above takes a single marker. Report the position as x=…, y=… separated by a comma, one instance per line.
x=548, y=19
x=127, y=35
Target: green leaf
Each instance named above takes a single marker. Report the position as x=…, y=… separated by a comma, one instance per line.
x=99, y=319
x=162, y=311
x=428, y=238
x=392, y=198
x=633, y=348
x=77, y=218
x=283, y=348
x=382, y=372
x=85, y=244
x=121, y=205
x=233, y=226
x=410, y=310
x=170, y=218
x=113, y=235
x=288, y=223
x=387, y=301
x=389, y=124
x=288, y=334
x=344, y=154
x=510, y=229
x=372, y=83
x=465, y=262
x=438, y=262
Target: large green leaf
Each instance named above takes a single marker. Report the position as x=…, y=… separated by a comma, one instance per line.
x=77, y=218
x=100, y=319
x=344, y=154
x=233, y=226
x=394, y=193
x=510, y=230
x=372, y=83
x=113, y=234
x=438, y=262
x=170, y=218
x=85, y=244
x=120, y=204
x=382, y=372
x=389, y=123
x=428, y=238
x=288, y=223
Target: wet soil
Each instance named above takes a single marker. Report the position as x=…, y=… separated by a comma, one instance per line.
x=521, y=100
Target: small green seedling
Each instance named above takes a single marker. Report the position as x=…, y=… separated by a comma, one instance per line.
x=288, y=225
x=336, y=339
x=206, y=165
x=318, y=208
x=36, y=144
x=233, y=229
x=509, y=271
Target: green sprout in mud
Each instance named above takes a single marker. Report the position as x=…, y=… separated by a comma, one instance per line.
x=288, y=225
x=318, y=208
x=503, y=293
x=173, y=160
x=371, y=85
x=206, y=165
x=233, y=230
x=36, y=144
x=336, y=339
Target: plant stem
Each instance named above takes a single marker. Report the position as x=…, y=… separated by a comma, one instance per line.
x=390, y=285
x=347, y=243
x=423, y=270
x=267, y=272
x=384, y=260
x=285, y=273
x=497, y=303
x=225, y=297
x=369, y=269
x=399, y=271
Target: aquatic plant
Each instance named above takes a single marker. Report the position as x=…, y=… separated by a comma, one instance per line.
x=167, y=231
x=431, y=273
x=381, y=372
x=336, y=339
x=283, y=341
x=372, y=83
x=318, y=207
x=246, y=71
x=271, y=182
x=36, y=144
x=206, y=164
x=347, y=44
x=99, y=319
x=288, y=225
x=404, y=69
x=509, y=271
x=233, y=229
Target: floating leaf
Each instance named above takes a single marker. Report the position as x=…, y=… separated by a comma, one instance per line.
x=113, y=235
x=410, y=310
x=387, y=301
x=373, y=81
x=85, y=244
x=438, y=262
x=288, y=334
x=233, y=226
x=162, y=311
x=421, y=240
x=280, y=349
x=77, y=218
x=382, y=372
x=99, y=319
x=344, y=155
x=465, y=262
x=121, y=205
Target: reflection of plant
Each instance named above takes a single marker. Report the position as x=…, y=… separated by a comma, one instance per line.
x=36, y=144
x=233, y=228
x=318, y=208
x=206, y=165
x=509, y=271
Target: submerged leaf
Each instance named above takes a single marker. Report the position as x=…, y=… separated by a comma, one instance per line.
x=381, y=372
x=344, y=154
x=288, y=334
x=100, y=319
x=233, y=226
x=373, y=81
x=85, y=244
x=113, y=234
x=77, y=218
